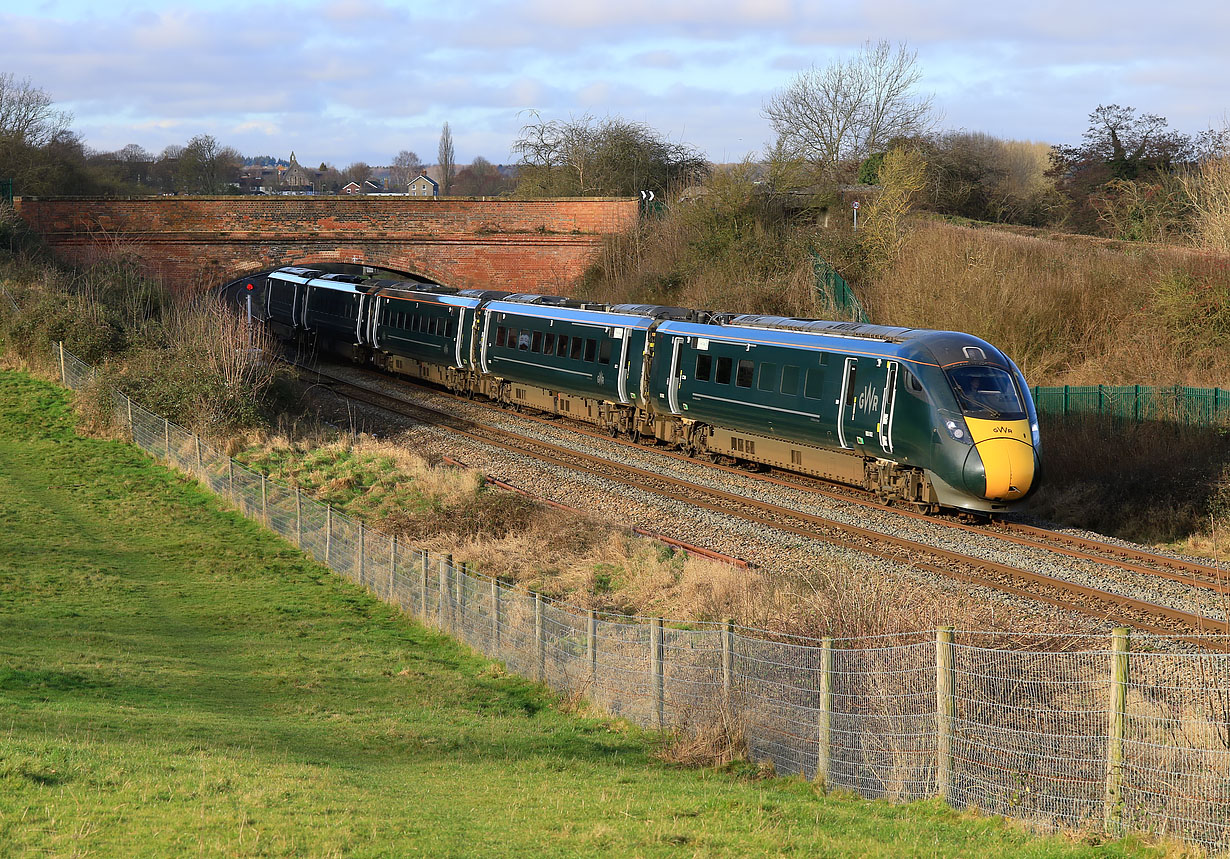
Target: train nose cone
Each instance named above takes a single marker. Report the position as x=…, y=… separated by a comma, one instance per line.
x=1007, y=468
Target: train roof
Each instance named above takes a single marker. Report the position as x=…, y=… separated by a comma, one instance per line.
x=866, y=330
x=939, y=348
x=659, y=311
x=584, y=314
x=296, y=273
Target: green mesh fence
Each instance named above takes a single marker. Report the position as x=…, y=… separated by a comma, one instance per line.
x=1137, y=402
x=833, y=291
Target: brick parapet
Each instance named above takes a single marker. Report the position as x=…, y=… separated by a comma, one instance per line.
x=527, y=245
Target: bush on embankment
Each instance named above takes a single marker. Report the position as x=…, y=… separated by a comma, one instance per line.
x=182, y=356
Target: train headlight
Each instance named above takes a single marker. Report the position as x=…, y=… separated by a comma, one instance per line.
x=957, y=430
x=1033, y=430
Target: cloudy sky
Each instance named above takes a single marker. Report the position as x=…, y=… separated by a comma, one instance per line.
x=359, y=80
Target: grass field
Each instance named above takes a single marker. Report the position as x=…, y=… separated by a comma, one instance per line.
x=175, y=681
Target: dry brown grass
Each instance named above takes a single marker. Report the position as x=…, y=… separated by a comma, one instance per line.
x=1086, y=313
x=593, y=563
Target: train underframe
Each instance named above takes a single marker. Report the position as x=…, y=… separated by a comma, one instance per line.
x=888, y=480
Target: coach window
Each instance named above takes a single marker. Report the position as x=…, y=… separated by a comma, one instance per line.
x=501, y=335
x=704, y=368
x=577, y=345
x=790, y=380
x=523, y=339
x=548, y=346
x=815, y=378
x=768, y=377
x=723, y=371
x=743, y=378
x=591, y=349
x=604, y=352
x=536, y=343
x=561, y=348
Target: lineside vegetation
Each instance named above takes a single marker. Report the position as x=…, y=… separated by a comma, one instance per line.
x=175, y=680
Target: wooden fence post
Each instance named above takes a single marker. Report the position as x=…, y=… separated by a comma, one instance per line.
x=329, y=535
x=591, y=647
x=945, y=710
x=540, y=645
x=824, y=728
x=495, y=615
x=392, y=568
x=166, y=438
x=1117, y=724
x=657, y=670
x=359, y=556
x=63, y=372
x=424, y=570
x=200, y=467
x=230, y=477
x=442, y=597
x=728, y=660
x=265, y=500
x=298, y=518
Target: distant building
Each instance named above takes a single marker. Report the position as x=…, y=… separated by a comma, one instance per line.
x=368, y=186
x=296, y=179
x=424, y=186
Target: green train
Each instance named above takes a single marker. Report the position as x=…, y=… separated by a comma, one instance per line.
x=936, y=419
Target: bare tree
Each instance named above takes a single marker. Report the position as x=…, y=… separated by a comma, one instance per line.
x=206, y=166
x=447, y=159
x=357, y=172
x=1208, y=188
x=611, y=156
x=851, y=108
x=26, y=113
x=405, y=167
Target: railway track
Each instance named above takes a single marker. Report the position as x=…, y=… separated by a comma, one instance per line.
x=1005, y=578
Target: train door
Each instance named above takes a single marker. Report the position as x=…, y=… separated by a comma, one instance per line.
x=672, y=385
x=868, y=387
x=621, y=365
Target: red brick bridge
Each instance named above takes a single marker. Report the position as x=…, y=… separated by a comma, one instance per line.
x=198, y=242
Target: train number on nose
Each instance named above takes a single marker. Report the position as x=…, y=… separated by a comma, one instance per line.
x=1003, y=430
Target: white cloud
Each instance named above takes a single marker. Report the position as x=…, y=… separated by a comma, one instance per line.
x=343, y=78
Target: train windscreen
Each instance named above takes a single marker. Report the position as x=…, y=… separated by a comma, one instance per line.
x=987, y=392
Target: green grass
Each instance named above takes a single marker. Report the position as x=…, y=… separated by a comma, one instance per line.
x=173, y=680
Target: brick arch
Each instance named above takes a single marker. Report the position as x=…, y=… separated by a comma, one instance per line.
x=519, y=245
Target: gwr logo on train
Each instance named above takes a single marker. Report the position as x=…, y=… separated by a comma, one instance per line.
x=869, y=400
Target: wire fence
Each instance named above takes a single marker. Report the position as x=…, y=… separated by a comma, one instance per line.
x=1176, y=403
x=834, y=292
x=1121, y=734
